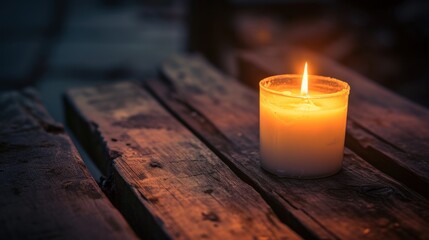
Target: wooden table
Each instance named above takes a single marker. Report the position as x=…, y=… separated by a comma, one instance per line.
x=181, y=158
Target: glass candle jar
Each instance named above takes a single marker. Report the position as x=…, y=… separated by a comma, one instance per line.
x=302, y=135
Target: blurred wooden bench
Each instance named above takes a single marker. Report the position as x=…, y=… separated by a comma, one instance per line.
x=182, y=157
x=46, y=190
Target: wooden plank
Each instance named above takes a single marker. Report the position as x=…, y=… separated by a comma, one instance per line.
x=359, y=202
x=164, y=178
x=46, y=190
x=390, y=132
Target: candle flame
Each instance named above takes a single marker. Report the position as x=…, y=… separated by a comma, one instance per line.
x=304, y=84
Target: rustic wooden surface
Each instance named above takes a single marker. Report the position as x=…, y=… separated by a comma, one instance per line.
x=389, y=131
x=46, y=190
x=359, y=202
x=162, y=177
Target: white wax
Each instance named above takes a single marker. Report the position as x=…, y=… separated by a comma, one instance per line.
x=300, y=137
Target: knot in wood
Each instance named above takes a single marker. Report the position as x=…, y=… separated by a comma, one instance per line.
x=155, y=164
x=211, y=216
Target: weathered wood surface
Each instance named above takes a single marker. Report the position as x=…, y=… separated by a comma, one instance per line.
x=163, y=178
x=46, y=190
x=359, y=202
x=389, y=131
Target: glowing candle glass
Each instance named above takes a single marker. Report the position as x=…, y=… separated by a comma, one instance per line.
x=302, y=125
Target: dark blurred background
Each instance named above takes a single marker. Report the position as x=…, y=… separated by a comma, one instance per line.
x=54, y=45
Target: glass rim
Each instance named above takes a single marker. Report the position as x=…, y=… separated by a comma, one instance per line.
x=344, y=91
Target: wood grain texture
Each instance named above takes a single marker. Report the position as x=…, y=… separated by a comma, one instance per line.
x=390, y=132
x=163, y=178
x=46, y=190
x=359, y=202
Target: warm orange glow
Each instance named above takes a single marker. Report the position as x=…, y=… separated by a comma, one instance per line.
x=304, y=84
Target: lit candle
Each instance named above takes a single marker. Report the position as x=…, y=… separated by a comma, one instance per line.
x=302, y=124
